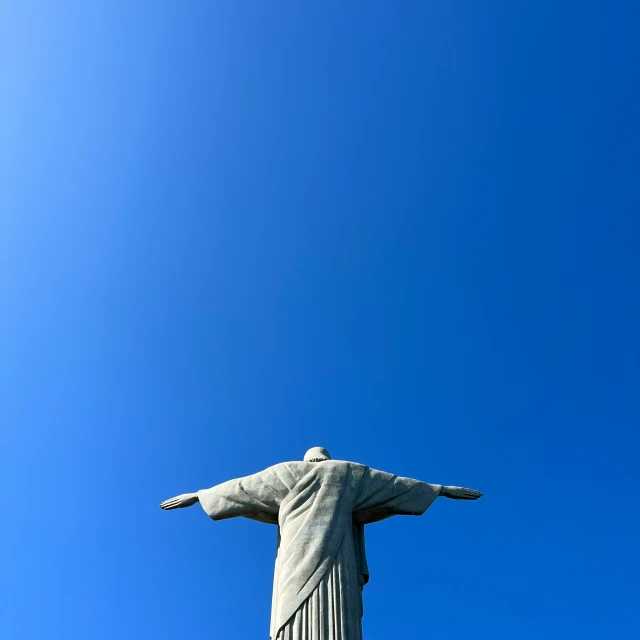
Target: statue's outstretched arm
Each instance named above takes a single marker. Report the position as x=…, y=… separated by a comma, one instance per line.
x=252, y=497
x=179, y=502
x=459, y=493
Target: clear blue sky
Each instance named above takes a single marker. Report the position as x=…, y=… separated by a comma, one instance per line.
x=405, y=231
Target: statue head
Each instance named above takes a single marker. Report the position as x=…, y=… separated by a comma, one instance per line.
x=316, y=454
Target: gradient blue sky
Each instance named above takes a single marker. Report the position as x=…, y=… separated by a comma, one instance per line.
x=405, y=231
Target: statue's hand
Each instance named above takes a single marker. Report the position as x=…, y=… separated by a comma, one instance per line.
x=179, y=502
x=460, y=493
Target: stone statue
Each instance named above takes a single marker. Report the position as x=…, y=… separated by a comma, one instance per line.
x=320, y=506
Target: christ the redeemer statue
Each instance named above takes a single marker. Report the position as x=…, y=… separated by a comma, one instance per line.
x=320, y=506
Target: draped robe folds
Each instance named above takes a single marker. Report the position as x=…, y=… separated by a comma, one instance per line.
x=320, y=509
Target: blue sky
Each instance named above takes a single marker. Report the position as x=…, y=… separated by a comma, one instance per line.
x=407, y=232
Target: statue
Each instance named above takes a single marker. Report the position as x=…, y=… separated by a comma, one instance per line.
x=321, y=507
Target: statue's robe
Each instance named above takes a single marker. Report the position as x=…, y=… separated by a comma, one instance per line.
x=320, y=509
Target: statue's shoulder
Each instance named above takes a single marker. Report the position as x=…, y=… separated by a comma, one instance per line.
x=347, y=464
x=284, y=467
x=342, y=468
x=296, y=469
